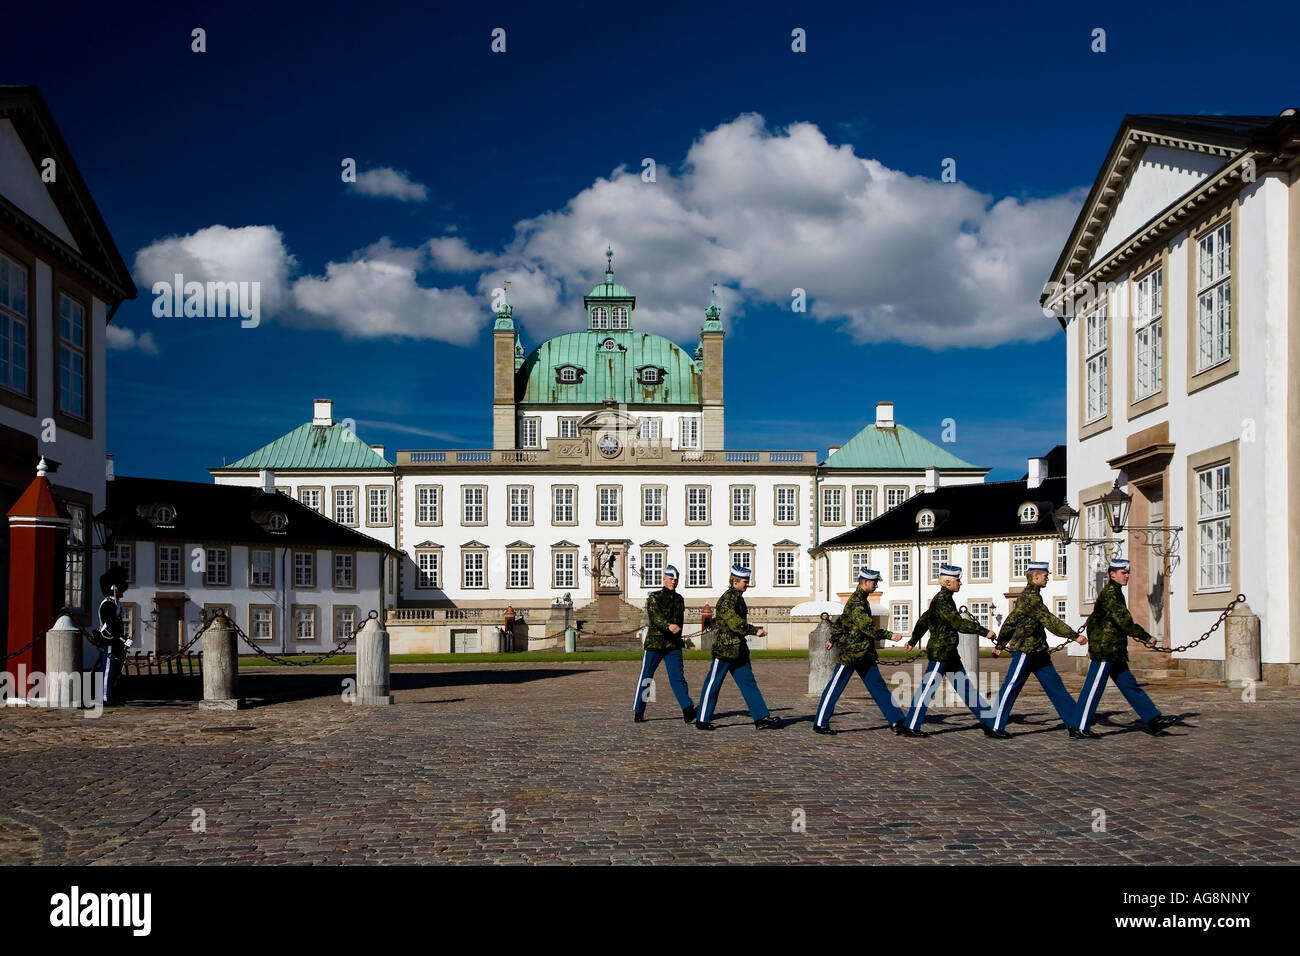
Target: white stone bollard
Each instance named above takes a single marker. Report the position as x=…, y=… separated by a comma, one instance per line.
x=372, y=665
x=821, y=662
x=220, y=667
x=1242, y=658
x=63, y=663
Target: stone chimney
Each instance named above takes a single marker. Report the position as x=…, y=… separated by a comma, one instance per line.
x=266, y=477
x=884, y=414
x=378, y=450
x=1037, y=471
x=932, y=479
x=322, y=411
x=832, y=450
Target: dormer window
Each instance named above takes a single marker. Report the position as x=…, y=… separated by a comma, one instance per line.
x=1028, y=513
x=164, y=516
x=650, y=376
x=620, y=317
x=925, y=520
x=599, y=318
x=568, y=375
x=277, y=522
x=609, y=345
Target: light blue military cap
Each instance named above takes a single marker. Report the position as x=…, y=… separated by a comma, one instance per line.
x=950, y=570
x=738, y=572
x=866, y=574
x=1037, y=566
x=671, y=572
x=1119, y=564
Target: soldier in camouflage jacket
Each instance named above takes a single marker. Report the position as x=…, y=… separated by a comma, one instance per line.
x=944, y=623
x=855, y=644
x=1025, y=632
x=663, y=642
x=731, y=655
x=1109, y=628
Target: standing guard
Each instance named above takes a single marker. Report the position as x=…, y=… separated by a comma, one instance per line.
x=1109, y=628
x=731, y=655
x=944, y=622
x=1025, y=632
x=856, y=654
x=664, y=642
x=114, y=641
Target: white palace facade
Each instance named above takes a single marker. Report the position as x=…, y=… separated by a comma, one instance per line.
x=607, y=439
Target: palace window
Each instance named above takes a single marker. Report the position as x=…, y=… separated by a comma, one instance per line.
x=1062, y=556
x=1096, y=527
x=864, y=505
x=529, y=429
x=474, y=504
x=925, y=520
x=311, y=498
x=568, y=428
x=428, y=504
x=169, y=564
x=1021, y=555
x=123, y=556
x=75, y=577
x=564, y=568
x=689, y=432
x=568, y=375
x=345, y=505
x=1213, y=297
x=521, y=504
x=649, y=376
x=13, y=326
x=261, y=622
x=619, y=316
x=521, y=563
x=216, y=567
x=894, y=497
x=599, y=318
x=378, y=510
x=345, y=622
x=900, y=617
x=652, y=505
x=787, y=504
x=608, y=505
x=979, y=562
x=980, y=610
x=1148, y=344
x=743, y=559
x=1028, y=513
x=857, y=561
x=832, y=506
x=938, y=557
x=742, y=505
x=427, y=562
x=787, y=568
x=72, y=357
x=563, y=509
x=304, y=622
x=259, y=568
x=1096, y=366
x=1214, y=528
x=697, y=569
x=473, y=574
x=652, y=569
x=304, y=569
x=900, y=567
x=650, y=429
x=345, y=571
x=697, y=504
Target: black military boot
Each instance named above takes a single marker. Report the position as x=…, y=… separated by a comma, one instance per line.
x=1077, y=734
x=824, y=730
x=688, y=714
x=638, y=718
x=1159, y=723
x=704, y=725
x=999, y=734
x=906, y=731
x=770, y=722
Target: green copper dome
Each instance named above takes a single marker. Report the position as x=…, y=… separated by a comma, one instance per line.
x=611, y=364
x=609, y=289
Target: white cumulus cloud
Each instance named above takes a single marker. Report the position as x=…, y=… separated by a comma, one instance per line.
x=388, y=183
x=123, y=339
x=222, y=254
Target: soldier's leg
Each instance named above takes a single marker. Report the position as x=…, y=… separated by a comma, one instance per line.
x=880, y=693
x=1137, y=698
x=834, y=687
x=1094, y=685
x=1067, y=708
x=677, y=679
x=709, y=693
x=1017, y=674
x=743, y=674
x=970, y=694
x=924, y=694
x=649, y=664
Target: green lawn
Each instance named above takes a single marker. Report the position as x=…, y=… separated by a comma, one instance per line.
x=530, y=657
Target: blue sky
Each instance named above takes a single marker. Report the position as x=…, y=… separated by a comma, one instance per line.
x=774, y=170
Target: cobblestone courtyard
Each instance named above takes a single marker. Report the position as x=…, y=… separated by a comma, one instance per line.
x=549, y=753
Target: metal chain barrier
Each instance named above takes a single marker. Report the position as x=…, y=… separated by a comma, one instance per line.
x=338, y=649
x=1223, y=616
x=26, y=647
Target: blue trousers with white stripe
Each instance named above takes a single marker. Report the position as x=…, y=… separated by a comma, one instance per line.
x=743, y=674
x=839, y=682
x=1039, y=664
x=1094, y=685
x=930, y=683
x=672, y=661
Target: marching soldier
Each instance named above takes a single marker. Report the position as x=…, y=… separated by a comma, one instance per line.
x=731, y=655
x=857, y=654
x=663, y=642
x=1109, y=628
x=1025, y=633
x=944, y=622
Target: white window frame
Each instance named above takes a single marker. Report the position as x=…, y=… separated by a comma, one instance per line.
x=1096, y=527
x=650, y=429
x=787, y=504
x=688, y=432
x=377, y=510
x=473, y=500
x=564, y=504
x=263, y=577
x=895, y=495
x=520, y=498
x=787, y=568
x=1096, y=364
x=428, y=504
x=212, y=565
x=473, y=569
x=345, y=506
x=832, y=505
x=568, y=427
x=900, y=617
x=1022, y=552
x=742, y=504
x=1214, y=297
x=564, y=568
x=304, y=561
x=1148, y=335
x=1214, y=528
x=73, y=360
x=905, y=564
x=618, y=317
x=981, y=567
x=428, y=569
x=609, y=505
x=697, y=568
x=653, y=561
x=938, y=557
x=519, y=569
x=14, y=308
x=165, y=561
x=652, y=504
x=303, y=612
x=530, y=432
x=345, y=570
x=697, y=504
x=864, y=505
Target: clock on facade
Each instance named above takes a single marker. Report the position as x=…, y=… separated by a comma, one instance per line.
x=608, y=445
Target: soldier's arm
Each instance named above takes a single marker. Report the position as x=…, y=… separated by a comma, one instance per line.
x=919, y=631
x=726, y=617
x=1051, y=621
x=950, y=616
x=857, y=617
x=1119, y=613
x=655, y=614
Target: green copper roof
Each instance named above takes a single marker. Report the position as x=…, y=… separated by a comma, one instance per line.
x=609, y=373
x=609, y=289
x=312, y=447
x=897, y=447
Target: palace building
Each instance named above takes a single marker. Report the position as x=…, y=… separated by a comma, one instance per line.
x=1179, y=293
x=606, y=439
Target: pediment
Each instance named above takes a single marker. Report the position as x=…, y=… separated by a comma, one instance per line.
x=652, y=543
x=473, y=544
x=564, y=544
x=427, y=544
x=23, y=185
x=742, y=543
